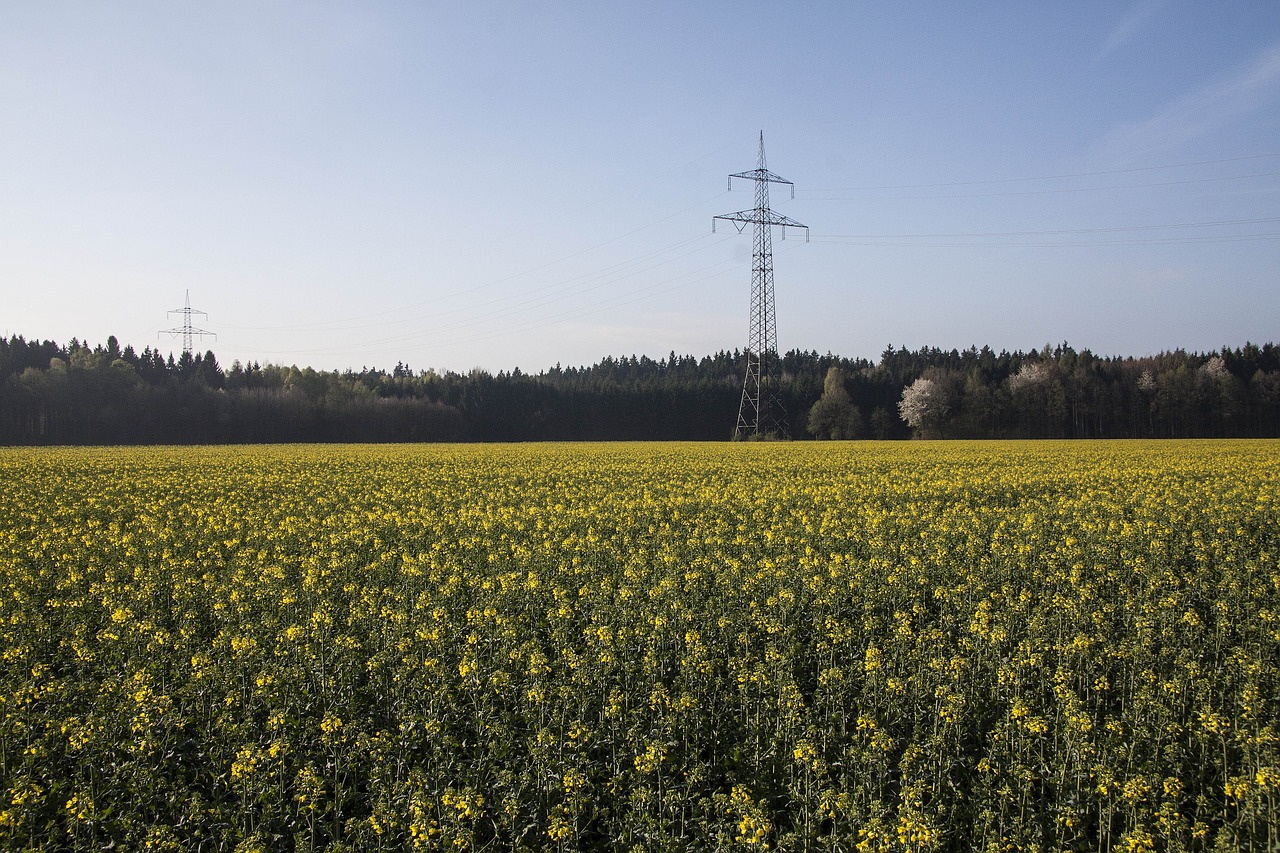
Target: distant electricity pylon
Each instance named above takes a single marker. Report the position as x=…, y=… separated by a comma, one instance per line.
x=760, y=412
x=186, y=330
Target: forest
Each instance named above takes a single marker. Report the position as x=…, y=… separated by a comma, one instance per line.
x=83, y=394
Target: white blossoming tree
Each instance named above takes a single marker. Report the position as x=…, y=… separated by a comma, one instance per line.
x=1038, y=398
x=924, y=407
x=1220, y=393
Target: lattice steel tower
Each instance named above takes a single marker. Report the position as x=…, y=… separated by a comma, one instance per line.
x=186, y=329
x=760, y=412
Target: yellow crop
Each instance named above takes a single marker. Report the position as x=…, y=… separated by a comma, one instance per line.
x=909, y=646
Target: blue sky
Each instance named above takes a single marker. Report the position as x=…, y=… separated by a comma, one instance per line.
x=522, y=184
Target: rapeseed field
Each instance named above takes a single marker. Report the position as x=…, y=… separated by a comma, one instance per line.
x=846, y=647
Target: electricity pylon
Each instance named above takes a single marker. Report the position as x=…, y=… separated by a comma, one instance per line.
x=186, y=330
x=760, y=412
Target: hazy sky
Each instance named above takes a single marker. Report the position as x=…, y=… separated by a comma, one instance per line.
x=520, y=184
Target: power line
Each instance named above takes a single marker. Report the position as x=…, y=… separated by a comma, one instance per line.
x=1054, y=232
x=542, y=301
x=607, y=304
x=1158, y=241
x=1040, y=177
x=508, y=308
x=648, y=291
x=342, y=325
x=563, y=289
x=552, y=286
x=1050, y=191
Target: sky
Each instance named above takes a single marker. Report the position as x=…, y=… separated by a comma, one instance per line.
x=525, y=184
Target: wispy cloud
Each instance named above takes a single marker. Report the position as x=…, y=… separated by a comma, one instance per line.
x=1129, y=25
x=1199, y=112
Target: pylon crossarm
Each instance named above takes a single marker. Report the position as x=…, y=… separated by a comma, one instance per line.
x=763, y=217
x=784, y=221
x=760, y=175
x=742, y=218
x=187, y=331
x=739, y=222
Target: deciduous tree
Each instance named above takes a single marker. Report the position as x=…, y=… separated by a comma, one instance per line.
x=834, y=416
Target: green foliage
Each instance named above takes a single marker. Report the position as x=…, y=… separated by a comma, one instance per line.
x=78, y=394
x=834, y=416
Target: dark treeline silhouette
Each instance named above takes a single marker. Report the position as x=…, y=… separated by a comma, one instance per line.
x=81, y=394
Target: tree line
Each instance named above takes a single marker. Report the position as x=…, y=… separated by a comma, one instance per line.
x=105, y=394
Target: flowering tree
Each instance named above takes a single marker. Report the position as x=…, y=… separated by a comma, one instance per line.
x=1038, y=398
x=1221, y=394
x=924, y=407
